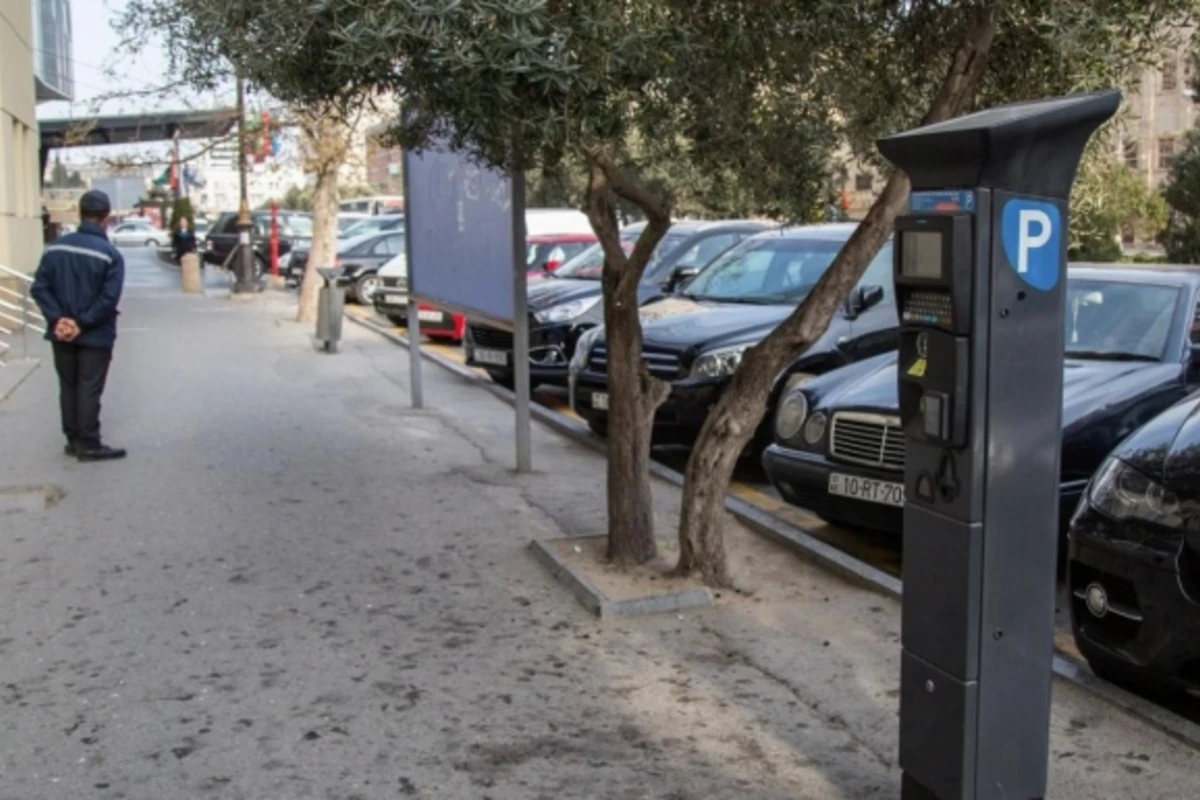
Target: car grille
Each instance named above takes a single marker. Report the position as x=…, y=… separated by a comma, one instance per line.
x=491, y=338
x=394, y=283
x=661, y=363
x=872, y=439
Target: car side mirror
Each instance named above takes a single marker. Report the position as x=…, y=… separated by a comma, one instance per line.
x=679, y=277
x=861, y=298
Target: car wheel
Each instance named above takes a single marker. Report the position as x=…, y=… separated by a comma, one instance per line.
x=151, y=243
x=364, y=289
x=399, y=320
x=599, y=426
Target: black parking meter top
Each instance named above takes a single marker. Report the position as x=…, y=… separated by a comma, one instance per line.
x=1026, y=148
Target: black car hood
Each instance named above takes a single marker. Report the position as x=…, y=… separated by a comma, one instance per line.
x=1167, y=448
x=1088, y=386
x=682, y=324
x=549, y=292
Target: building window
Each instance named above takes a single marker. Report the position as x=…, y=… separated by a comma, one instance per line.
x=1170, y=75
x=1166, y=151
x=864, y=182
x=1131, y=153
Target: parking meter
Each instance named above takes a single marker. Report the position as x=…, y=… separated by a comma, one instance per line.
x=980, y=267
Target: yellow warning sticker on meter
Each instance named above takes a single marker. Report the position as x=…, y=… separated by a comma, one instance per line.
x=917, y=370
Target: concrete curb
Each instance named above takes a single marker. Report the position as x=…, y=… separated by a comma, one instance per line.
x=15, y=373
x=816, y=552
x=599, y=604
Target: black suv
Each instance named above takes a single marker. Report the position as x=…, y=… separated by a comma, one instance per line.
x=566, y=302
x=222, y=237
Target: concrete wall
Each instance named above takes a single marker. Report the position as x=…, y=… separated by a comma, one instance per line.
x=20, y=209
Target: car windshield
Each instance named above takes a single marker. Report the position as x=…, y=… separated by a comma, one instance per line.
x=372, y=225
x=1118, y=320
x=589, y=264
x=300, y=226
x=772, y=269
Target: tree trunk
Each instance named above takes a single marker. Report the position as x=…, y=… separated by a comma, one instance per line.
x=323, y=250
x=634, y=394
x=732, y=422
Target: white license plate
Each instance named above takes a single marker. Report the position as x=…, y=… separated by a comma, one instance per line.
x=600, y=401
x=498, y=358
x=873, y=491
x=397, y=300
x=426, y=315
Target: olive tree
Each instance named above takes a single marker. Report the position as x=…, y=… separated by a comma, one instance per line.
x=913, y=62
x=613, y=89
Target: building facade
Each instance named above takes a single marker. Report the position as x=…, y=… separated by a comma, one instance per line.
x=217, y=168
x=384, y=162
x=41, y=27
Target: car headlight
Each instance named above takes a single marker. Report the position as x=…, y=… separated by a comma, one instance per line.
x=790, y=416
x=583, y=348
x=567, y=311
x=814, y=429
x=1121, y=492
x=718, y=363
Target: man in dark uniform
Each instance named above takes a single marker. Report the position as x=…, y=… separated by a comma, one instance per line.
x=77, y=286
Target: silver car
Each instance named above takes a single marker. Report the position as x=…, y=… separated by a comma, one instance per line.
x=133, y=234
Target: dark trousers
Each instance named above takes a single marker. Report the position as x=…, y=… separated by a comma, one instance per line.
x=82, y=372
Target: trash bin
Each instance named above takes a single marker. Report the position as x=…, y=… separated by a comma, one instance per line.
x=330, y=305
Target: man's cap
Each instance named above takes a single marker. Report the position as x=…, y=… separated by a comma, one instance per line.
x=94, y=203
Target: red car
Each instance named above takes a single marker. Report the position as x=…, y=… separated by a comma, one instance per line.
x=543, y=253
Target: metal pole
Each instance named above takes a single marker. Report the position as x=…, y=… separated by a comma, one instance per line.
x=416, y=390
x=274, y=239
x=245, y=262
x=520, y=325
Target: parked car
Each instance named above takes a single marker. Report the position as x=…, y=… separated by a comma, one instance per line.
x=360, y=258
x=201, y=229
x=138, y=234
x=567, y=302
x=696, y=339
x=1133, y=573
x=839, y=449
x=358, y=225
x=295, y=229
x=544, y=253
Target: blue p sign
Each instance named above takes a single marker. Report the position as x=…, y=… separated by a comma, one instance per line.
x=1032, y=234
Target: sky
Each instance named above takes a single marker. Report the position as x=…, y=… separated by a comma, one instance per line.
x=101, y=70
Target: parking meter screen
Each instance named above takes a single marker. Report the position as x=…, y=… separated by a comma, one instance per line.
x=921, y=254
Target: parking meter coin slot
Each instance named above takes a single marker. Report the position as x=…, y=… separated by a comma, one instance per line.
x=933, y=386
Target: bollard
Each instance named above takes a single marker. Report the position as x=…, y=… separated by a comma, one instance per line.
x=330, y=306
x=189, y=266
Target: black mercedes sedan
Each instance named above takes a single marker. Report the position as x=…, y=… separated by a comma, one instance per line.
x=696, y=338
x=567, y=302
x=839, y=448
x=1133, y=572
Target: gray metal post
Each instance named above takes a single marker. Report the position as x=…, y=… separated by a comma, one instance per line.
x=980, y=275
x=521, y=326
x=415, y=388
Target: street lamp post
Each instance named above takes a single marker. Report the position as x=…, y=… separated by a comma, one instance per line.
x=246, y=280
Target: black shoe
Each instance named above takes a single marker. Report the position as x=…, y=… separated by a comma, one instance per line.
x=100, y=453
x=71, y=449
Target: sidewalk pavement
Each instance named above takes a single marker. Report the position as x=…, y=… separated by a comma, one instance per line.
x=298, y=587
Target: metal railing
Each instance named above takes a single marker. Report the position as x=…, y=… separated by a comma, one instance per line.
x=18, y=313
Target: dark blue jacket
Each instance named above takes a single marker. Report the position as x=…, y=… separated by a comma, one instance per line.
x=80, y=277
